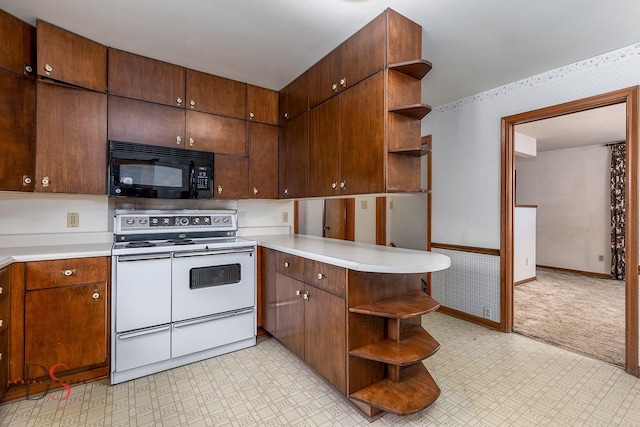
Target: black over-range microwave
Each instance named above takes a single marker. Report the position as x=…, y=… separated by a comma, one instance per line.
x=139, y=170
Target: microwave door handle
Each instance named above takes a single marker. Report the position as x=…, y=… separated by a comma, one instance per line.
x=192, y=180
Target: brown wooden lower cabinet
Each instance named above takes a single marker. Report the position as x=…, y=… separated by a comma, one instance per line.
x=360, y=331
x=5, y=316
x=60, y=324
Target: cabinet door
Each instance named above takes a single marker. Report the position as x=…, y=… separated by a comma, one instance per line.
x=138, y=77
x=267, y=303
x=217, y=95
x=324, y=148
x=362, y=143
x=294, y=98
x=262, y=105
x=71, y=140
x=216, y=134
x=325, y=336
x=70, y=58
x=17, y=45
x=324, y=77
x=263, y=161
x=17, y=131
x=363, y=54
x=293, y=152
x=67, y=326
x=145, y=122
x=230, y=177
x=290, y=313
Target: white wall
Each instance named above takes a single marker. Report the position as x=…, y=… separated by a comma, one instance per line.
x=524, y=243
x=571, y=189
x=407, y=220
x=466, y=156
x=365, y=219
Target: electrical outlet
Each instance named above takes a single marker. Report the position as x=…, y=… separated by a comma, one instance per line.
x=600, y=257
x=285, y=217
x=363, y=204
x=73, y=219
x=487, y=313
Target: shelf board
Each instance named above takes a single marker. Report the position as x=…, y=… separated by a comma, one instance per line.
x=415, y=345
x=411, y=151
x=415, y=391
x=415, y=190
x=414, y=111
x=403, y=307
x=417, y=68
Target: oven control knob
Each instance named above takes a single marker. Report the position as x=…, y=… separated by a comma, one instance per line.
x=165, y=221
x=207, y=220
x=216, y=220
x=131, y=221
x=196, y=220
x=225, y=219
x=184, y=220
x=143, y=220
x=154, y=221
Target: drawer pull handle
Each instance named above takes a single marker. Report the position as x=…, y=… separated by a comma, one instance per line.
x=305, y=296
x=321, y=276
x=68, y=272
x=287, y=265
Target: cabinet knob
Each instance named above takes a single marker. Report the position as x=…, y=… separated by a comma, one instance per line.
x=305, y=296
x=219, y=189
x=26, y=180
x=343, y=184
x=0, y=356
x=192, y=141
x=1, y=322
x=45, y=181
x=95, y=295
x=286, y=115
x=251, y=116
x=334, y=185
x=343, y=82
x=28, y=69
x=287, y=265
x=255, y=190
x=334, y=87
x=179, y=101
x=68, y=272
x=48, y=68
x=321, y=276
x=1, y=290
x=178, y=140
x=298, y=292
x=192, y=103
x=286, y=191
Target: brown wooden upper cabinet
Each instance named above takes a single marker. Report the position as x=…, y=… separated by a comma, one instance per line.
x=17, y=45
x=217, y=134
x=17, y=131
x=67, y=57
x=262, y=105
x=230, y=177
x=293, y=153
x=71, y=139
x=139, y=77
x=293, y=99
x=263, y=160
x=359, y=57
x=216, y=95
x=144, y=122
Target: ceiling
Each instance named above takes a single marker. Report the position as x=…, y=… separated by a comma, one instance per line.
x=591, y=127
x=473, y=45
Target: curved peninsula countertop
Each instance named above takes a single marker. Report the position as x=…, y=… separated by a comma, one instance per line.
x=49, y=252
x=356, y=256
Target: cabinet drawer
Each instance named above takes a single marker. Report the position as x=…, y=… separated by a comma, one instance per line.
x=290, y=265
x=327, y=277
x=66, y=272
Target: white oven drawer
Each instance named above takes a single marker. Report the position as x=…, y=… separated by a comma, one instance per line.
x=196, y=335
x=144, y=347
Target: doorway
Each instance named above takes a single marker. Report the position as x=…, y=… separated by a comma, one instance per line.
x=628, y=96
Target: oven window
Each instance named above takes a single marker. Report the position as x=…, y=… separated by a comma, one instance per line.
x=206, y=277
x=152, y=175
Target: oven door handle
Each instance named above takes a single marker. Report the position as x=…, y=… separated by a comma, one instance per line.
x=141, y=333
x=214, y=317
x=127, y=258
x=212, y=252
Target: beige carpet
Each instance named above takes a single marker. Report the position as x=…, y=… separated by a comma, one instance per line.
x=582, y=313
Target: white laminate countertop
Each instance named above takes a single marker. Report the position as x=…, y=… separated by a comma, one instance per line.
x=49, y=252
x=356, y=256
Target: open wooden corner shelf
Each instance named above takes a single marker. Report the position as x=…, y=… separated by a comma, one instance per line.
x=417, y=68
x=414, y=345
x=403, y=307
x=411, y=151
x=414, y=111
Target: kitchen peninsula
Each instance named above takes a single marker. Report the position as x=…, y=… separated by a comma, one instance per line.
x=353, y=313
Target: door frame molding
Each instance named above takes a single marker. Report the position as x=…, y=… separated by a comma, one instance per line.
x=507, y=203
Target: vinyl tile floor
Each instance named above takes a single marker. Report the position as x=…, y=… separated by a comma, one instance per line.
x=488, y=378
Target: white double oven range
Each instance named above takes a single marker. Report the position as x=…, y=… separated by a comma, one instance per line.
x=183, y=290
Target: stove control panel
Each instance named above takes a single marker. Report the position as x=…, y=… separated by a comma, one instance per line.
x=157, y=221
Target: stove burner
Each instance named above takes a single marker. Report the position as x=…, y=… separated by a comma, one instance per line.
x=140, y=244
x=178, y=242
